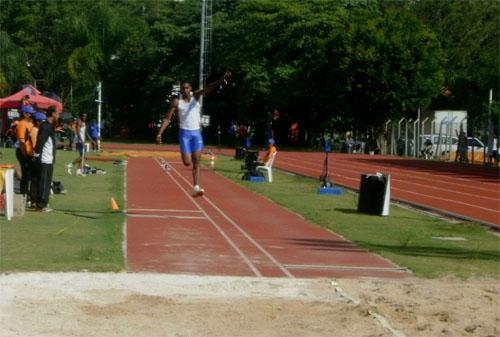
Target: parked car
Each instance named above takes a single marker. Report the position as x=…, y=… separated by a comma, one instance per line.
x=444, y=141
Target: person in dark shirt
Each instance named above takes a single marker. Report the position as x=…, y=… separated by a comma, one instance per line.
x=44, y=155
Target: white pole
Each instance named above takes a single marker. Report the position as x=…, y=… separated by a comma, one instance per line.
x=399, y=134
x=406, y=136
x=417, y=144
x=415, y=135
x=386, y=128
x=99, y=103
x=202, y=43
x=450, y=135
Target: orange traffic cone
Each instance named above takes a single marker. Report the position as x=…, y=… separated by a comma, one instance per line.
x=114, y=205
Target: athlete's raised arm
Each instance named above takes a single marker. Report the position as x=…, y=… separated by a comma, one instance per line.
x=167, y=119
x=209, y=87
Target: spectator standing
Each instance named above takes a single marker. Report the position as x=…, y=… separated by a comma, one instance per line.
x=461, y=154
x=24, y=149
x=72, y=133
x=93, y=134
x=81, y=131
x=39, y=118
x=45, y=155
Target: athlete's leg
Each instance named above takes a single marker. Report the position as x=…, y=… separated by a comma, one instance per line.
x=184, y=139
x=195, y=157
x=186, y=158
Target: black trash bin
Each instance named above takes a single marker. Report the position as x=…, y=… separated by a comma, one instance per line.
x=374, y=194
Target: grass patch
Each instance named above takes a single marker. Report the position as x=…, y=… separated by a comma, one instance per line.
x=82, y=233
x=404, y=237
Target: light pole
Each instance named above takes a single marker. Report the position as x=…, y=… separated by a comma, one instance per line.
x=99, y=103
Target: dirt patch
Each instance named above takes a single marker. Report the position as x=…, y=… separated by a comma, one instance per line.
x=85, y=304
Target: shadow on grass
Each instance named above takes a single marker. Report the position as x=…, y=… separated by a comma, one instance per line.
x=83, y=213
x=333, y=245
x=429, y=251
x=347, y=210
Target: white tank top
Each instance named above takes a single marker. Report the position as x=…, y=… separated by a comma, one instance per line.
x=82, y=130
x=189, y=114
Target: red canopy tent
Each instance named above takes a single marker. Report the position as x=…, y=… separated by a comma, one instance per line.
x=14, y=101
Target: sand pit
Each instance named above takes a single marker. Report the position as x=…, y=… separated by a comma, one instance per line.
x=124, y=304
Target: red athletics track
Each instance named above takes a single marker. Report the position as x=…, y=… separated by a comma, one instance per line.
x=470, y=192
x=466, y=191
x=229, y=231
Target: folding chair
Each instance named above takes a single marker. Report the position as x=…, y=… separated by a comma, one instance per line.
x=268, y=167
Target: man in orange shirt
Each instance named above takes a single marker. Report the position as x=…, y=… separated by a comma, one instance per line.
x=24, y=149
x=39, y=118
x=271, y=149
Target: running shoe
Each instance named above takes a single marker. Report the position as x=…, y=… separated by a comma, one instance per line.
x=197, y=191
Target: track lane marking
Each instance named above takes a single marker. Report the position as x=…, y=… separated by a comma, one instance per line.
x=224, y=235
x=162, y=210
x=242, y=231
x=419, y=175
x=406, y=191
x=344, y=167
x=155, y=216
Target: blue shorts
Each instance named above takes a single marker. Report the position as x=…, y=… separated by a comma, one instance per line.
x=190, y=141
x=79, y=148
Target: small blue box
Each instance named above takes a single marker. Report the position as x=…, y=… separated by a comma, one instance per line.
x=330, y=190
x=257, y=179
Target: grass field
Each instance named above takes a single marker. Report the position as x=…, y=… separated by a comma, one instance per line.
x=405, y=237
x=82, y=233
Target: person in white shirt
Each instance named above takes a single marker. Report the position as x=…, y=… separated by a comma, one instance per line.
x=81, y=131
x=188, y=107
x=44, y=155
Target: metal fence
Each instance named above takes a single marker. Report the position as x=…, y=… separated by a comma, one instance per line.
x=430, y=138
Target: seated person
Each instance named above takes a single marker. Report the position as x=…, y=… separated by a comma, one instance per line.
x=427, y=150
x=271, y=149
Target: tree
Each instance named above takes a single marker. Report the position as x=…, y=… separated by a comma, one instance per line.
x=469, y=35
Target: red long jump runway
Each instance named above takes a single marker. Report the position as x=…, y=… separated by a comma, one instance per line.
x=468, y=192
x=229, y=231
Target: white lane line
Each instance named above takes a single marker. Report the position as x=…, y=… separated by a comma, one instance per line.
x=124, y=242
x=245, y=234
x=339, y=267
x=394, y=171
x=224, y=235
x=162, y=210
x=132, y=215
x=408, y=191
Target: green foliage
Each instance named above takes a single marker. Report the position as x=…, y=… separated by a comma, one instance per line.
x=469, y=34
x=348, y=64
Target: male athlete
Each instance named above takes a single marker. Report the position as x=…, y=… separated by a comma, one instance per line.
x=188, y=107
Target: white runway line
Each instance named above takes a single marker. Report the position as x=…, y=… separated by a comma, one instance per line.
x=245, y=234
x=162, y=210
x=224, y=235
